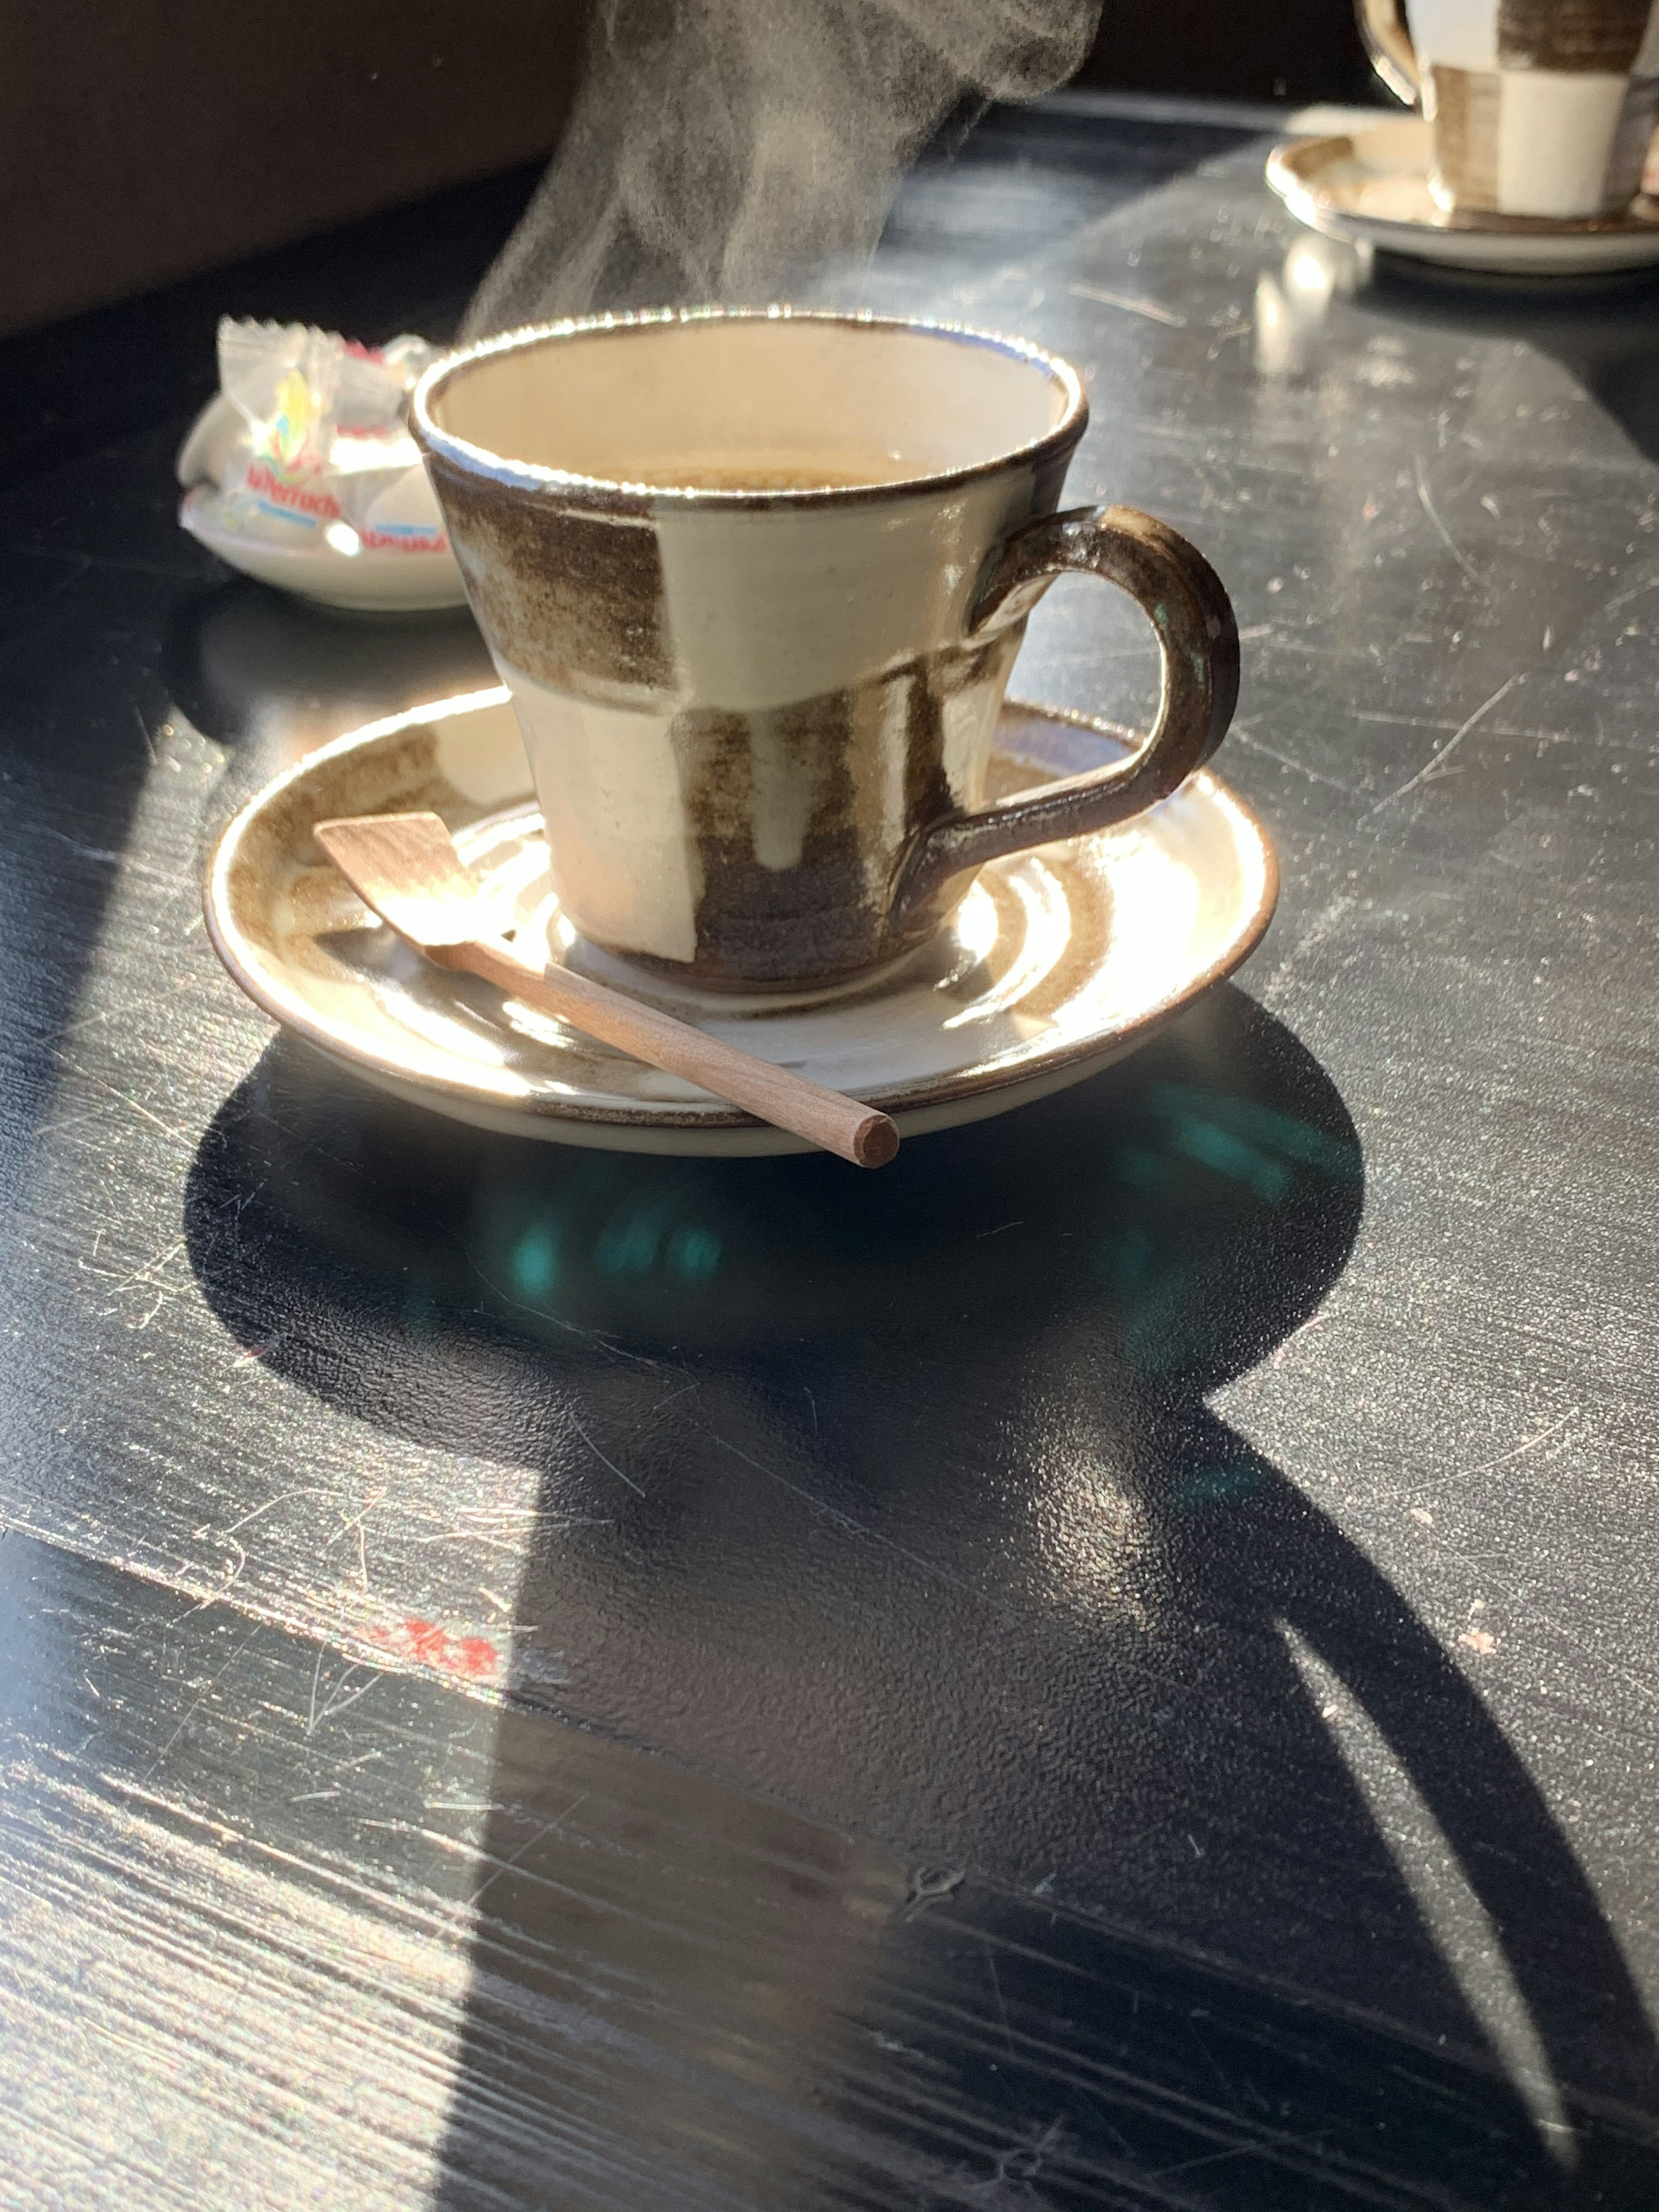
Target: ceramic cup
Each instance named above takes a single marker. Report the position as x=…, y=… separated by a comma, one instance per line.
x=1539, y=109
x=756, y=582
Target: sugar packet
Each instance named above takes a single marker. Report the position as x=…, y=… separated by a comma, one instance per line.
x=386, y=498
x=301, y=413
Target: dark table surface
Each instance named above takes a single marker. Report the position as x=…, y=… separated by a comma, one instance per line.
x=1113, y=1663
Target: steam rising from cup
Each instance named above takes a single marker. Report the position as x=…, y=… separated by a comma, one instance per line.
x=723, y=151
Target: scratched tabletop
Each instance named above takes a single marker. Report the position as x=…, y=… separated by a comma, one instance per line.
x=1113, y=1663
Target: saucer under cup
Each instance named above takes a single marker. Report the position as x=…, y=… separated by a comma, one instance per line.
x=1058, y=960
x=1369, y=185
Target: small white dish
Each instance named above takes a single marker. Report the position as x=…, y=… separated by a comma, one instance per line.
x=1057, y=962
x=1369, y=185
x=339, y=575
x=210, y=443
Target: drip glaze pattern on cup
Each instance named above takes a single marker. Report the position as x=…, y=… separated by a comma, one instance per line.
x=747, y=706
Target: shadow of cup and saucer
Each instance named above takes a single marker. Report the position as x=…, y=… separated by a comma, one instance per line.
x=897, y=1500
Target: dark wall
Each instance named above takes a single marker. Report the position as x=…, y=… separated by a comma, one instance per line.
x=1290, y=50
x=141, y=140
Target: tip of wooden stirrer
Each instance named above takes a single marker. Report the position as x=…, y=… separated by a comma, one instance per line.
x=875, y=1141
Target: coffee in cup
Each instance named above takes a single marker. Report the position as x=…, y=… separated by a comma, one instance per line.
x=756, y=581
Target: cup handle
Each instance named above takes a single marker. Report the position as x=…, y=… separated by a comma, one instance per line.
x=1197, y=637
x=1388, y=43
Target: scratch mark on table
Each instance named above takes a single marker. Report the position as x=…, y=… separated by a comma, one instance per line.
x=1636, y=591
x=196, y=1703
x=144, y=1273
x=1130, y=304
x=548, y=1828
x=1023, y=2161
x=818, y=1505
x=1438, y=760
x=283, y=1498
x=316, y=1677
x=1241, y=734
x=106, y=857
x=851, y=1528
x=996, y=1990
x=231, y=1577
x=1444, y=535
x=1518, y=1451
x=125, y=1098
x=931, y=1886
x=1238, y=2150
x=599, y=1337
x=338, y=1697
x=143, y=732
x=601, y=1458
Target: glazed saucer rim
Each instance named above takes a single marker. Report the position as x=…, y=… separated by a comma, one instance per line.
x=915, y=1103
x=1531, y=245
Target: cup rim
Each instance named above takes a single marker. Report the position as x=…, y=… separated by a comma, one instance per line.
x=621, y=496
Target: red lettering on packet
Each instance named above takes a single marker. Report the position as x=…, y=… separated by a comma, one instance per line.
x=394, y=541
x=264, y=479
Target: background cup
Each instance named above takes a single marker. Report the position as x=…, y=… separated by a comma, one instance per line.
x=1537, y=109
x=759, y=719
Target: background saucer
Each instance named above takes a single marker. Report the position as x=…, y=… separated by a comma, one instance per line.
x=1371, y=186
x=1056, y=961
x=389, y=582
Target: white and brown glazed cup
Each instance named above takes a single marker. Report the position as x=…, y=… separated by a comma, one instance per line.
x=1539, y=110
x=756, y=581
